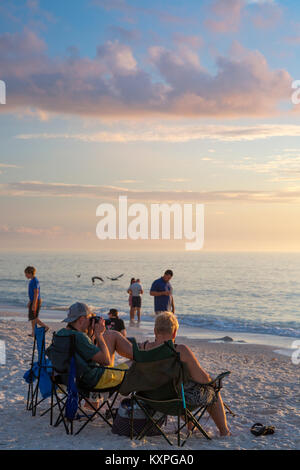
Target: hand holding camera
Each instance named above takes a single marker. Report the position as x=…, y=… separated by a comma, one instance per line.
x=98, y=325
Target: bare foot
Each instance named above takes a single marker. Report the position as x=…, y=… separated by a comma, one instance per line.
x=225, y=433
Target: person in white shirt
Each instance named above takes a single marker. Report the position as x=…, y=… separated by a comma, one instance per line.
x=136, y=290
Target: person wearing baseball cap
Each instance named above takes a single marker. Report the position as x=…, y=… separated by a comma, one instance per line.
x=76, y=311
x=92, y=358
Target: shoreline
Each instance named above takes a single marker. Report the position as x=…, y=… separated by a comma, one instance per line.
x=56, y=315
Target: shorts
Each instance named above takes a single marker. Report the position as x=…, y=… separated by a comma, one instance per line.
x=199, y=394
x=111, y=378
x=31, y=315
x=136, y=301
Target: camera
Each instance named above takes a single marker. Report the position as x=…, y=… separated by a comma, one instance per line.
x=95, y=319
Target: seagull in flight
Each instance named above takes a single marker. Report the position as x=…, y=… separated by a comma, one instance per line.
x=115, y=278
x=97, y=277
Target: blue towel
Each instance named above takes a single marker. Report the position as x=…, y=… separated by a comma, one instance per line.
x=43, y=364
x=45, y=384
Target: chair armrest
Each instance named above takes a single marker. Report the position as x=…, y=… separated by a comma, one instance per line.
x=218, y=380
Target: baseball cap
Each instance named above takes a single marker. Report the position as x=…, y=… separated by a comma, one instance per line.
x=113, y=311
x=77, y=310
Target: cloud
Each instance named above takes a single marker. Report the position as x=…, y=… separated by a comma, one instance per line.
x=112, y=84
x=37, y=17
x=294, y=40
x=131, y=12
x=36, y=11
x=109, y=193
x=127, y=35
x=266, y=14
x=193, y=41
x=278, y=168
x=32, y=231
x=130, y=181
x=175, y=180
x=225, y=16
x=177, y=134
x=7, y=165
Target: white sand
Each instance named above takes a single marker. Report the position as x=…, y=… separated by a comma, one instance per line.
x=263, y=387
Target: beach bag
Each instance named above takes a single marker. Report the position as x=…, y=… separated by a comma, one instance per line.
x=121, y=424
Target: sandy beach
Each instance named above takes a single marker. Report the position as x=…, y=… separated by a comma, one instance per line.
x=263, y=387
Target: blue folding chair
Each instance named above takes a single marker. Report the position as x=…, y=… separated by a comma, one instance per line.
x=68, y=393
x=38, y=376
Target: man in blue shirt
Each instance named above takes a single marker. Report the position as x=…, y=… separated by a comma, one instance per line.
x=34, y=304
x=162, y=292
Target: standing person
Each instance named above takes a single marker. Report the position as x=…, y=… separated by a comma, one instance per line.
x=136, y=290
x=114, y=322
x=35, y=301
x=162, y=292
x=130, y=296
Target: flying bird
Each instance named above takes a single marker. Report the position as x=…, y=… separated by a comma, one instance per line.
x=115, y=278
x=97, y=277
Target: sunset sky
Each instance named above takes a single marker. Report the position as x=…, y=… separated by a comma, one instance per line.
x=161, y=101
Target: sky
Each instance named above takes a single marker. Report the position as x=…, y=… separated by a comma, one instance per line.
x=185, y=102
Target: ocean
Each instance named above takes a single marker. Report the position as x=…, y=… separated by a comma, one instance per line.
x=253, y=293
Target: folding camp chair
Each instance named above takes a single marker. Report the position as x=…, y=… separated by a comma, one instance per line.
x=165, y=395
x=84, y=395
x=60, y=393
x=37, y=376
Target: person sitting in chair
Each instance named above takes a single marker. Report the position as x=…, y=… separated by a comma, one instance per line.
x=166, y=327
x=93, y=358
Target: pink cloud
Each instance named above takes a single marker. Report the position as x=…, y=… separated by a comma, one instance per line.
x=112, y=193
x=131, y=11
x=193, y=41
x=32, y=231
x=225, y=15
x=113, y=83
x=266, y=15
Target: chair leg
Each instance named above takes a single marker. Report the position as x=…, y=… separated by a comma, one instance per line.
x=51, y=404
x=148, y=426
x=29, y=397
x=196, y=425
x=30, y=388
x=96, y=412
x=35, y=398
x=114, y=400
x=229, y=410
x=131, y=416
x=61, y=417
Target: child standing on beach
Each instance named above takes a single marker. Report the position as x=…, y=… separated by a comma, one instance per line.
x=34, y=304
